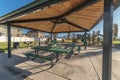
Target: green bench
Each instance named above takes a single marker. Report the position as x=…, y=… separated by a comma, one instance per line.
x=48, y=58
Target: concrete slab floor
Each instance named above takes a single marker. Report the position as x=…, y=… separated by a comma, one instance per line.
x=85, y=66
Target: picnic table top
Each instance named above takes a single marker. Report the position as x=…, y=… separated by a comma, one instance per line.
x=60, y=50
x=52, y=49
x=69, y=44
x=41, y=47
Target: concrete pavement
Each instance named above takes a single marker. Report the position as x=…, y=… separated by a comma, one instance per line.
x=85, y=66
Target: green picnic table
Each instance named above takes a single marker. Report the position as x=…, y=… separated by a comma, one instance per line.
x=60, y=50
x=69, y=44
x=72, y=46
x=57, y=50
x=51, y=49
x=37, y=48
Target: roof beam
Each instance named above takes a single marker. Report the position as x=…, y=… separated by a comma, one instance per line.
x=68, y=31
x=27, y=9
x=29, y=28
x=54, y=26
x=34, y=20
x=43, y=30
x=81, y=6
x=58, y=22
x=31, y=20
x=75, y=25
x=97, y=22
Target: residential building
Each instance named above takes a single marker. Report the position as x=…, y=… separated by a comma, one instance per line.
x=15, y=32
x=35, y=34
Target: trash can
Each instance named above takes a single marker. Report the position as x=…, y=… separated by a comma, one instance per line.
x=16, y=45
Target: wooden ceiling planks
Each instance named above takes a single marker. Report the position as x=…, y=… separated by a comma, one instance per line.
x=53, y=10
x=64, y=27
x=43, y=26
x=85, y=17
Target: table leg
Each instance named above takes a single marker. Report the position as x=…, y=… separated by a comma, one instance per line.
x=35, y=51
x=72, y=50
x=57, y=57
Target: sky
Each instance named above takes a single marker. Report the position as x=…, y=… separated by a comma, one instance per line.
x=116, y=19
x=7, y=6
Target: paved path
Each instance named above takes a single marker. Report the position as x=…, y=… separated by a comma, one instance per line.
x=85, y=66
x=96, y=60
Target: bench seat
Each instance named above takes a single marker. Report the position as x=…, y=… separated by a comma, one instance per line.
x=48, y=58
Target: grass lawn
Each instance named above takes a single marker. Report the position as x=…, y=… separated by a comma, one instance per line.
x=3, y=46
x=70, y=40
x=116, y=42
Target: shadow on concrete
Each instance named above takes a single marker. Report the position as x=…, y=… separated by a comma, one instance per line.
x=93, y=52
x=9, y=64
x=87, y=54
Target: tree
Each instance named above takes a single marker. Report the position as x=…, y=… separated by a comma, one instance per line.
x=68, y=35
x=115, y=31
x=55, y=35
x=98, y=36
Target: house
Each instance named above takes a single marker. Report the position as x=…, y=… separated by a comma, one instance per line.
x=15, y=32
x=35, y=34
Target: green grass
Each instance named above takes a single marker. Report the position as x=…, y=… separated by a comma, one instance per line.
x=70, y=40
x=2, y=50
x=3, y=46
x=23, y=45
x=116, y=42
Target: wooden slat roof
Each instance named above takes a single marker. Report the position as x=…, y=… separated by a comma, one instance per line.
x=65, y=16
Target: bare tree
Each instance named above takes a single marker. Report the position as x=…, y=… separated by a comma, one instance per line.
x=55, y=35
x=68, y=35
x=115, y=31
